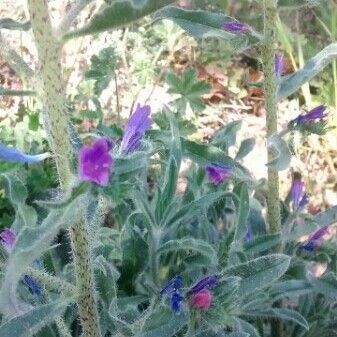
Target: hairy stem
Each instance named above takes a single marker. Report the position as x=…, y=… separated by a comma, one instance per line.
x=56, y=123
x=270, y=82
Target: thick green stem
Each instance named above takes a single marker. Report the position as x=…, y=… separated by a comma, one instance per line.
x=268, y=54
x=270, y=83
x=56, y=123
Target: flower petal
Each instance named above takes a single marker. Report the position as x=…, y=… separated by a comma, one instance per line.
x=12, y=154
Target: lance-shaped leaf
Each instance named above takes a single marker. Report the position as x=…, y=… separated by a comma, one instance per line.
x=245, y=148
x=205, y=24
x=117, y=14
x=30, y=322
x=291, y=4
x=259, y=273
x=290, y=84
x=11, y=92
x=282, y=156
x=261, y=243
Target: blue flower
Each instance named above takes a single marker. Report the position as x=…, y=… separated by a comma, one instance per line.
x=278, y=60
x=315, y=239
x=249, y=234
x=205, y=283
x=32, y=285
x=299, y=198
x=217, y=174
x=135, y=129
x=313, y=115
x=12, y=154
x=172, y=289
x=236, y=27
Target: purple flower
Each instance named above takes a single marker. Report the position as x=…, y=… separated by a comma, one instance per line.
x=33, y=286
x=172, y=289
x=317, y=113
x=278, y=60
x=12, y=154
x=205, y=283
x=217, y=174
x=95, y=162
x=7, y=238
x=236, y=27
x=135, y=129
x=315, y=239
x=299, y=198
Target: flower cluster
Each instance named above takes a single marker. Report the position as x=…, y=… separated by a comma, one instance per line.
x=95, y=161
x=199, y=295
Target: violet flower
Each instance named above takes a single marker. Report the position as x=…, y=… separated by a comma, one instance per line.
x=33, y=286
x=8, y=238
x=172, y=289
x=135, y=129
x=315, y=239
x=217, y=174
x=299, y=197
x=313, y=115
x=205, y=283
x=278, y=60
x=95, y=162
x=12, y=154
x=236, y=27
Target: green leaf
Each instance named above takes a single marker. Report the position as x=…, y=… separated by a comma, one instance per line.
x=282, y=156
x=7, y=23
x=30, y=244
x=207, y=155
x=162, y=323
x=259, y=273
x=190, y=244
x=30, y=322
x=248, y=328
x=189, y=88
x=117, y=14
x=226, y=136
x=284, y=314
x=245, y=148
x=290, y=288
x=326, y=284
x=204, y=24
x=290, y=84
x=261, y=243
x=102, y=69
x=10, y=92
x=291, y=4
x=243, y=212
x=131, y=163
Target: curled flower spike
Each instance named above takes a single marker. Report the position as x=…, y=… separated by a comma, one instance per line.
x=312, y=116
x=315, y=239
x=8, y=238
x=205, y=283
x=217, y=174
x=299, y=198
x=236, y=27
x=12, y=154
x=135, y=129
x=33, y=286
x=95, y=162
x=278, y=60
x=201, y=300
